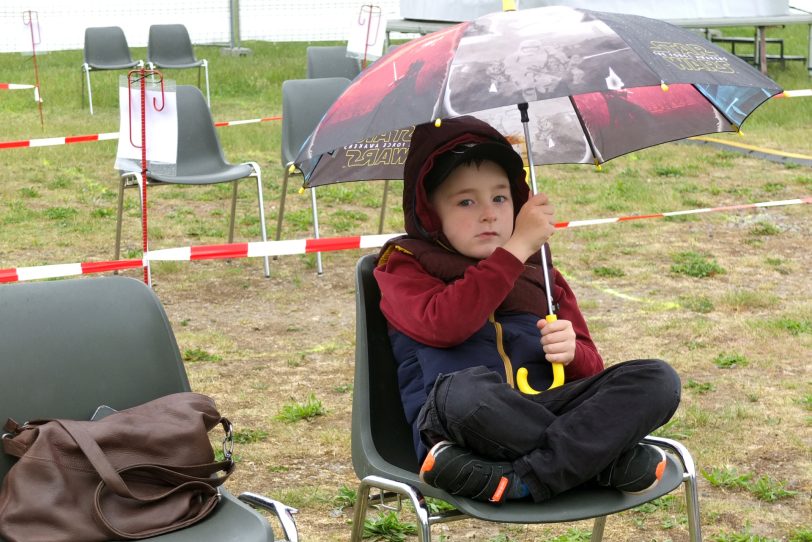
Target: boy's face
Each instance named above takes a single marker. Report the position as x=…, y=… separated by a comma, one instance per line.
x=476, y=209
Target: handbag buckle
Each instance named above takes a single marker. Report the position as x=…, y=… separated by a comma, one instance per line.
x=228, y=441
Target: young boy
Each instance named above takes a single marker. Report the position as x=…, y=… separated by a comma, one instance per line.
x=464, y=296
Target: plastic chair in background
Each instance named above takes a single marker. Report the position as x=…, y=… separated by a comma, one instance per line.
x=170, y=47
x=304, y=103
x=82, y=343
x=332, y=61
x=383, y=453
x=200, y=161
x=105, y=49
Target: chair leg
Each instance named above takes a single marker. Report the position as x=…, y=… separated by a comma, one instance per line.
x=319, y=268
x=233, y=212
x=362, y=504
x=281, y=213
x=692, y=508
x=206, y=69
x=597, y=529
x=360, y=515
x=383, y=206
x=89, y=89
x=261, y=203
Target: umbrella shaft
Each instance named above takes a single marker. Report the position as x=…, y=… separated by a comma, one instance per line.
x=532, y=169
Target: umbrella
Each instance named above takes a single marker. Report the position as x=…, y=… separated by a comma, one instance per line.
x=564, y=85
x=598, y=85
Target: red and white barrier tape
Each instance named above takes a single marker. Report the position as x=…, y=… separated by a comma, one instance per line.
x=304, y=246
x=114, y=135
x=51, y=141
x=15, y=274
x=249, y=121
x=15, y=86
x=597, y=221
x=803, y=93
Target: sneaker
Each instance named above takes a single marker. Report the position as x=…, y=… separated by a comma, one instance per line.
x=460, y=472
x=636, y=471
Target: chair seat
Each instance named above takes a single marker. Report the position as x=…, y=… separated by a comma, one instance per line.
x=98, y=66
x=231, y=520
x=228, y=173
x=176, y=65
x=584, y=502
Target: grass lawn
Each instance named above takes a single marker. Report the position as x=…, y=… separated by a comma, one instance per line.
x=724, y=297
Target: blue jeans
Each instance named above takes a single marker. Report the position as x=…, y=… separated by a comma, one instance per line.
x=560, y=438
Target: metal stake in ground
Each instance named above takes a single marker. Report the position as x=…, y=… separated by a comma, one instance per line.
x=142, y=75
x=29, y=21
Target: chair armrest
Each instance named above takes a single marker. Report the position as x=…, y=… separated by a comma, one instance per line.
x=677, y=448
x=282, y=511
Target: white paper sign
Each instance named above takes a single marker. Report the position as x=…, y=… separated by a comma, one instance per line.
x=161, y=127
x=367, y=33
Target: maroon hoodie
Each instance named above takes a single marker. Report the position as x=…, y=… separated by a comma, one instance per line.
x=441, y=298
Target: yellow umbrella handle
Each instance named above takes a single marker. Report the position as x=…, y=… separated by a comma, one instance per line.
x=558, y=372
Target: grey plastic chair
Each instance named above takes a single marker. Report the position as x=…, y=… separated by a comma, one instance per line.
x=383, y=453
x=69, y=346
x=304, y=103
x=105, y=49
x=331, y=61
x=169, y=46
x=200, y=161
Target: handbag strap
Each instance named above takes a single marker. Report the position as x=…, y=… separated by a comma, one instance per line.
x=181, y=478
x=12, y=446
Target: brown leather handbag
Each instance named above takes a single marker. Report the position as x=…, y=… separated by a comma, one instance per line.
x=137, y=473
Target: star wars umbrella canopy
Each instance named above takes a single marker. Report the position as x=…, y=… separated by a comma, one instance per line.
x=598, y=85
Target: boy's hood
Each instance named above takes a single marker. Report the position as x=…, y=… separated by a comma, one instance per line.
x=429, y=142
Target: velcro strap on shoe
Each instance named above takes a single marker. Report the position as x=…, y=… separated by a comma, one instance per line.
x=482, y=484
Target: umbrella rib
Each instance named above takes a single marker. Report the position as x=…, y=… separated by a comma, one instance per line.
x=585, y=131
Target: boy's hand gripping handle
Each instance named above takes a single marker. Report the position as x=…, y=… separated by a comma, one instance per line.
x=558, y=372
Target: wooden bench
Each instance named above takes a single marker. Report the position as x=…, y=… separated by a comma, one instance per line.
x=733, y=40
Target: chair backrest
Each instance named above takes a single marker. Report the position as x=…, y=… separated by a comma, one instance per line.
x=381, y=437
x=331, y=61
x=304, y=103
x=199, y=150
x=106, y=48
x=69, y=346
x=169, y=44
